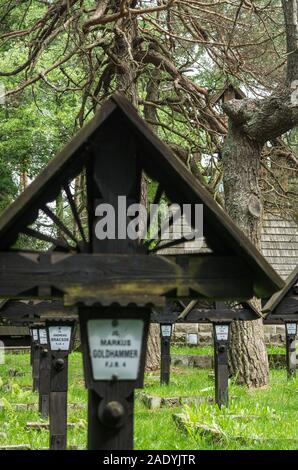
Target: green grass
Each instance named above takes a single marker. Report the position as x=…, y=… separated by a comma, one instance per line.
x=274, y=411
x=279, y=349
x=184, y=382
x=192, y=350
x=208, y=350
x=276, y=349
x=12, y=422
x=258, y=419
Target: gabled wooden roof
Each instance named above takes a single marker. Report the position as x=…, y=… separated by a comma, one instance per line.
x=277, y=298
x=239, y=94
x=159, y=162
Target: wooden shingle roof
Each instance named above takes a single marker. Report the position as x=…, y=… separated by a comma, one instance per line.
x=279, y=243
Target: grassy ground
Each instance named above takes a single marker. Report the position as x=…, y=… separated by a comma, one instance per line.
x=264, y=418
x=208, y=350
x=192, y=350
x=15, y=390
x=258, y=419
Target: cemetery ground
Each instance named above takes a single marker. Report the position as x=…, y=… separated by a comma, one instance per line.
x=255, y=419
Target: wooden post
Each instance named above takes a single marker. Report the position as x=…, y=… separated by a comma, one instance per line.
x=113, y=173
x=44, y=382
x=111, y=402
x=58, y=400
x=35, y=366
x=31, y=348
x=61, y=333
x=34, y=358
x=110, y=421
x=165, y=354
x=44, y=374
x=291, y=330
x=221, y=368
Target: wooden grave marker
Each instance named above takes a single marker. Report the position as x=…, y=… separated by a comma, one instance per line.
x=61, y=334
x=220, y=316
x=118, y=279
x=283, y=306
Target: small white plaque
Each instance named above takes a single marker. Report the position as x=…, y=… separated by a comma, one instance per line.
x=166, y=330
x=115, y=348
x=192, y=338
x=2, y=353
x=34, y=334
x=43, y=338
x=222, y=332
x=291, y=328
x=60, y=337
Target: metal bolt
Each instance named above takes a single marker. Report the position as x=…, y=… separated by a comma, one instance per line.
x=113, y=413
x=59, y=363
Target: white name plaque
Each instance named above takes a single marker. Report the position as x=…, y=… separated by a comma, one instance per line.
x=166, y=330
x=43, y=338
x=291, y=328
x=60, y=337
x=35, y=334
x=192, y=339
x=115, y=348
x=222, y=332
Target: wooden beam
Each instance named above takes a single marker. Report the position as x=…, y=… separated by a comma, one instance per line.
x=198, y=315
x=201, y=315
x=26, y=311
x=106, y=278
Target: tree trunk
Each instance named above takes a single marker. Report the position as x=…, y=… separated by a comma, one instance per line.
x=153, y=348
x=150, y=114
x=290, y=9
x=24, y=176
x=125, y=34
x=251, y=123
x=126, y=76
x=247, y=353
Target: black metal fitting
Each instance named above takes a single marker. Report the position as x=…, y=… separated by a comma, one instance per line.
x=59, y=364
x=112, y=414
